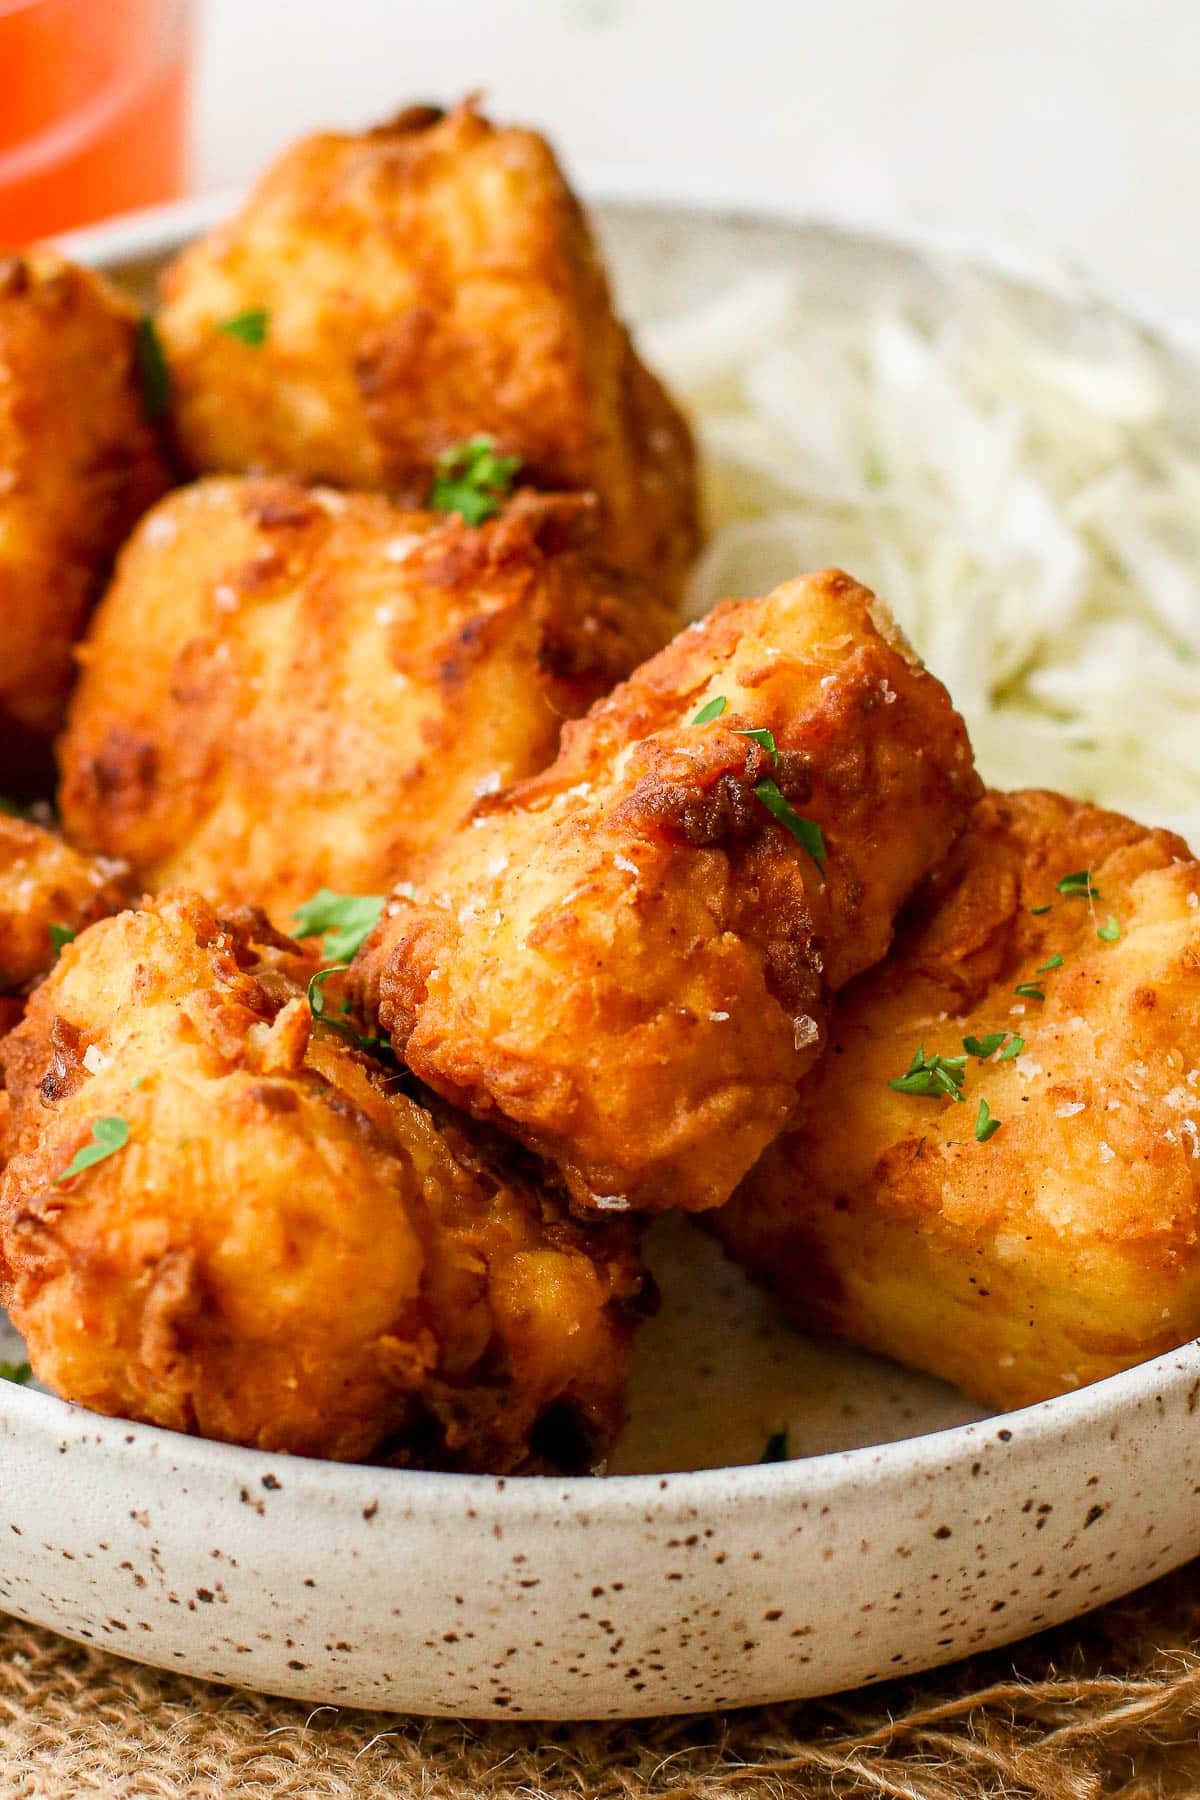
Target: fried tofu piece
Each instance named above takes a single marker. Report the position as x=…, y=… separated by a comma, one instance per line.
x=1065, y=1245
x=628, y=960
x=288, y=688
x=281, y=1248
x=78, y=463
x=47, y=891
x=410, y=288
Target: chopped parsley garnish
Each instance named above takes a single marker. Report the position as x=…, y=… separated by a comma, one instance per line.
x=1037, y=911
x=1054, y=962
x=776, y=1448
x=344, y=919
x=1078, y=885
x=152, y=367
x=109, y=1135
x=317, y=1006
x=764, y=739
x=18, y=1372
x=248, y=327
x=932, y=1075
x=806, y=832
x=317, y=1001
x=472, y=480
x=986, y=1047
x=1029, y=990
x=60, y=935
x=985, y=1125
x=1109, y=933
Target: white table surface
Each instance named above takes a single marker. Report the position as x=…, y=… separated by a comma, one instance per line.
x=1066, y=129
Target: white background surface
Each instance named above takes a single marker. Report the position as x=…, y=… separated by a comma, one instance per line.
x=1069, y=129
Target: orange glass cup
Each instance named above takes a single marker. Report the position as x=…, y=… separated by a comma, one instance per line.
x=93, y=110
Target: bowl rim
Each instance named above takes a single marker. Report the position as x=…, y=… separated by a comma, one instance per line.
x=1026, y=1433
x=162, y=230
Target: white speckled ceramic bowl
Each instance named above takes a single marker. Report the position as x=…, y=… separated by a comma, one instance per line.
x=907, y=1531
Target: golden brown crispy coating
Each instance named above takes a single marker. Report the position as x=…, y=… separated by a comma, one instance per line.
x=627, y=961
x=287, y=1252
x=78, y=463
x=44, y=883
x=286, y=688
x=1067, y=1245
x=424, y=283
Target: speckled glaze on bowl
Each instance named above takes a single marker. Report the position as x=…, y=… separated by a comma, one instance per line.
x=594, y=1598
x=907, y=1531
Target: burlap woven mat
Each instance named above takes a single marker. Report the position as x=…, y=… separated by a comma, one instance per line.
x=1109, y=1707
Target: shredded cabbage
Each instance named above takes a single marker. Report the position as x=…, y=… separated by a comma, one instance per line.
x=1031, y=512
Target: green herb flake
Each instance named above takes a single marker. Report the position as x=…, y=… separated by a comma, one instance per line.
x=60, y=935
x=317, y=1007
x=1054, y=962
x=1108, y=934
x=9, y=808
x=764, y=739
x=109, y=1135
x=1037, y=911
x=985, y=1126
x=19, y=1373
x=345, y=920
x=152, y=367
x=1078, y=886
x=776, y=1448
x=806, y=832
x=986, y=1047
x=316, y=992
x=932, y=1076
x=248, y=327
x=1029, y=990
x=712, y=709
x=472, y=480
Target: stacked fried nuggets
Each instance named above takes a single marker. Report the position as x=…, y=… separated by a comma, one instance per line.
x=324, y=682
x=1057, y=953
x=79, y=461
x=628, y=960
x=367, y=1210
x=292, y=685
x=418, y=285
x=285, y=1250
x=48, y=893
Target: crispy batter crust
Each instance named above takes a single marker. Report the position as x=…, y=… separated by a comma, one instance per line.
x=425, y=282
x=43, y=882
x=287, y=688
x=288, y=1252
x=1066, y=1246
x=78, y=463
x=626, y=961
